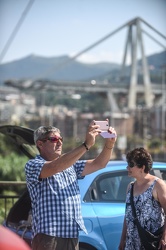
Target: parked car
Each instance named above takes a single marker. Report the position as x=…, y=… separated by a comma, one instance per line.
x=102, y=195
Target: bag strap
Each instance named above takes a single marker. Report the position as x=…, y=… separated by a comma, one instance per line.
x=132, y=204
x=141, y=230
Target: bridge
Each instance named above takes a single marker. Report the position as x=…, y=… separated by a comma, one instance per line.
x=150, y=93
x=111, y=91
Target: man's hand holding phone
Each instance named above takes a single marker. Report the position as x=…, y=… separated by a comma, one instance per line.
x=104, y=127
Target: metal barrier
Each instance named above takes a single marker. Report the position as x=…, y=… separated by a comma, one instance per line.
x=7, y=201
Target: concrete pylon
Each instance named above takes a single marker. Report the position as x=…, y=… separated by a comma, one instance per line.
x=134, y=39
x=146, y=78
x=112, y=102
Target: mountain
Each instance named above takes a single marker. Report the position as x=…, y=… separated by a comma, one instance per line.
x=55, y=68
x=64, y=68
x=157, y=60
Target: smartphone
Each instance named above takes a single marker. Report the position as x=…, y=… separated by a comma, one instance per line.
x=103, y=125
x=104, y=129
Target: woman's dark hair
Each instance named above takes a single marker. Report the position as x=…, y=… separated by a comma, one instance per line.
x=140, y=157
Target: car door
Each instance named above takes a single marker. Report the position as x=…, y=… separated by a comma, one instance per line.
x=109, y=207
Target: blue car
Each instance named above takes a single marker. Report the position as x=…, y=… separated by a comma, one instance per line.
x=102, y=196
x=103, y=204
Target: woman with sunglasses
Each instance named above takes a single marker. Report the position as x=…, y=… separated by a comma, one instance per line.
x=52, y=184
x=149, y=199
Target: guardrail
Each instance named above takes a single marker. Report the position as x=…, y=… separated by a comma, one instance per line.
x=7, y=201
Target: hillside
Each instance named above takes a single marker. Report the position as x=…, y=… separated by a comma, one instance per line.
x=55, y=68
x=63, y=68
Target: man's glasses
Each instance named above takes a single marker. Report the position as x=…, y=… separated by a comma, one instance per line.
x=54, y=139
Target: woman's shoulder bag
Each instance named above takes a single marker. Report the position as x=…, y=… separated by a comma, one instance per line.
x=148, y=240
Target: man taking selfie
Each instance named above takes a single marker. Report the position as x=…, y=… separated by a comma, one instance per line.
x=52, y=184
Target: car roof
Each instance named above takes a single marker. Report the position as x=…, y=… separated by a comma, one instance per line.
x=113, y=167
x=121, y=164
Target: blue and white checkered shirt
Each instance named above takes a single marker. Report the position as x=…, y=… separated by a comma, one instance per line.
x=56, y=206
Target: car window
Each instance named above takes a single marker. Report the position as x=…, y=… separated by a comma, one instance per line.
x=109, y=187
x=113, y=188
x=161, y=173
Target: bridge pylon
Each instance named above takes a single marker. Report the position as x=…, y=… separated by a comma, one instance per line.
x=134, y=39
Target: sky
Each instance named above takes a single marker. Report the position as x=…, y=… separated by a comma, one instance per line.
x=52, y=28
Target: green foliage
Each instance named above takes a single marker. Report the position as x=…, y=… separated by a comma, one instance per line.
x=6, y=206
x=155, y=143
x=6, y=146
x=12, y=164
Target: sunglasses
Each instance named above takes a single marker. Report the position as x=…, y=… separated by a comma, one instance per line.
x=54, y=139
x=131, y=164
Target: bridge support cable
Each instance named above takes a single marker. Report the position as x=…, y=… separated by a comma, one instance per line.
x=61, y=65
x=155, y=40
x=56, y=68
x=18, y=25
x=160, y=34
